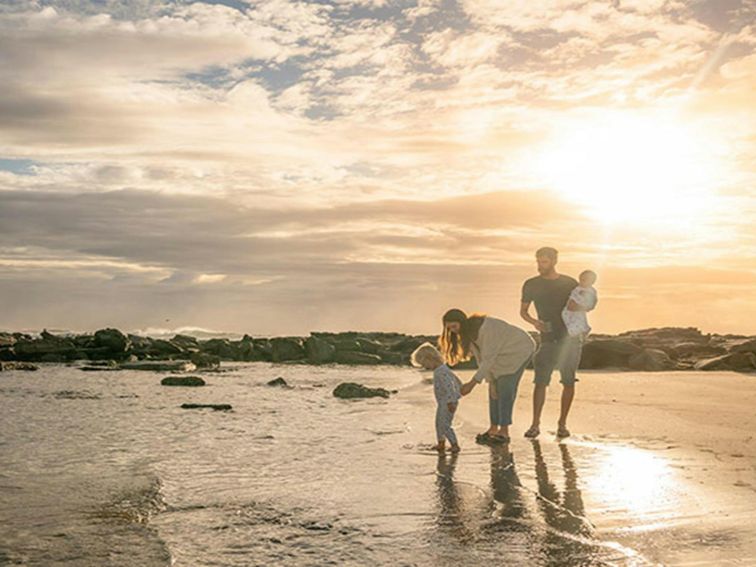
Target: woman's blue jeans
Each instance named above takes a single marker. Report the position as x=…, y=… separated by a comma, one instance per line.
x=500, y=410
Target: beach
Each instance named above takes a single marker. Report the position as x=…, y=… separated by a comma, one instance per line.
x=106, y=468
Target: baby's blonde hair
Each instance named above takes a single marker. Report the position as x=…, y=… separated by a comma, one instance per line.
x=423, y=353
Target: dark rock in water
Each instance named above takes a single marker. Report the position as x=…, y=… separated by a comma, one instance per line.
x=651, y=360
x=222, y=348
x=205, y=360
x=7, y=353
x=349, y=357
x=182, y=381
x=350, y=390
x=7, y=366
x=113, y=340
x=607, y=353
x=216, y=407
x=287, y=348
x=278, y=382
x=737, y=361
x=160, y=366
x=319, y=351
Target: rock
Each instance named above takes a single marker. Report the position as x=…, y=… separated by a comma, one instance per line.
x=8, y=366
x=205, y=360
x=7, y=340
x=186, y=343
x=90, y=368
x=216, y=407
x=278, y=382
x=182, y=381
x=606, y=353
x=651, y=360
x=160, y=366
x=74, y=395
x=737, y=361
x=689, y=350
x=350, y=390
x=7, y=353
x=350, y=357
x=263, y=349
x=395, y=358
x=62, y=348
x=287, y=348
x=347, y=345
x=113, y=340
x=371, y=347
x=140, y=345
x=744, y=346
x=164, y=349
x=319, y=351
x=222, y=348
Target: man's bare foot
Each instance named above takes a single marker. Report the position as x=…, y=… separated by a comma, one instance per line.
x=533, y=432
x=563, y=432
x=455, y=449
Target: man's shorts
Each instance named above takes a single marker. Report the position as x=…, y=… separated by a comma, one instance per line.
x=563, y=354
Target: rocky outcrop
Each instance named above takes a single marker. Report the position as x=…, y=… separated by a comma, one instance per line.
x=665, y=348
x=278, y=382
x=192, y=381
x=351, y=390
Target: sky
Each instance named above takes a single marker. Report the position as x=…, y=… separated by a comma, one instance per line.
x=278, y=167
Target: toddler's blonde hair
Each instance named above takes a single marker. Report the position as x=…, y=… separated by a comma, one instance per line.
x=425, y=352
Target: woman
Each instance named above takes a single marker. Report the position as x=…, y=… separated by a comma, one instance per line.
x=502, y=352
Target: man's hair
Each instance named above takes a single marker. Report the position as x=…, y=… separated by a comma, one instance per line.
x=548, y=252
x=424, y=352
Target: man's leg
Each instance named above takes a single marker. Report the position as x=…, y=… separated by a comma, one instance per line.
x=571, y=351
x=543, y=365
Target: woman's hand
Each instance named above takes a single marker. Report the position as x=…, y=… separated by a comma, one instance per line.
x=467, y=387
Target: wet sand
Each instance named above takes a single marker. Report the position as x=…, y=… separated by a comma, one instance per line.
x=661, y=464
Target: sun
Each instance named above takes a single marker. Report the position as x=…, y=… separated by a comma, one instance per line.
x=632, y=168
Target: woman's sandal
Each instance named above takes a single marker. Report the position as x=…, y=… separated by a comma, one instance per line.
x=483, y=438
x=499, y=439
x=533, y=432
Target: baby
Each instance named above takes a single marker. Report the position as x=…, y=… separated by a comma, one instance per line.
x=446, y=388
x=582, y=299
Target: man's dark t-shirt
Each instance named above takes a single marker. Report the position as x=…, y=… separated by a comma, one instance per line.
x=550, y=297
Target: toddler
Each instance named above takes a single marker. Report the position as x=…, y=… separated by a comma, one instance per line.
x=582, y=299
x=446, y=388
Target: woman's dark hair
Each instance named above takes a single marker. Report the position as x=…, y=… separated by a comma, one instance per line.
x=455, y=347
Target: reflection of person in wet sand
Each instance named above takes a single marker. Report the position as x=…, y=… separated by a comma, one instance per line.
x=451, y=504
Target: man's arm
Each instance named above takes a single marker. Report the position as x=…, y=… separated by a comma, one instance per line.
x=525, y=314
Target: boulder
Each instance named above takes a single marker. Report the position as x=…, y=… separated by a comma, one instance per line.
x=371, y=347
x=164, y=349
x=182, y=381
x=278, y=382
x=140, y=345
x=205, y=360
x=216, y=407
x=737, y=361
x=7, y=340
x=263, y=349
x=186, y=343
x=607, y=353
x=160, y=366
x=651, y=360
x=351, y=357
x=319, y=351
x=222, y=348
x=351, y=390
x=286, y=349
x=7, y=353
x=113, y=340
x=26, y=366
x=395, y=358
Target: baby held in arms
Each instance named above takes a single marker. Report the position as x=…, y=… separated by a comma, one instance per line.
x=446, y=388
x=582, y=299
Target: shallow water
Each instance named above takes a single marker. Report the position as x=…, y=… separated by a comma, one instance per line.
x=106, y=469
